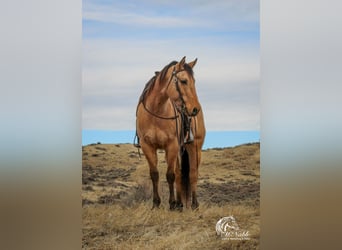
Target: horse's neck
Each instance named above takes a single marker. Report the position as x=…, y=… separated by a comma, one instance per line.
x=158, y=100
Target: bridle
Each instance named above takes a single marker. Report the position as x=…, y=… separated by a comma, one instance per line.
x=181, y=109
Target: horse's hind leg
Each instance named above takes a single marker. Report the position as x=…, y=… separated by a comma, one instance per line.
x=151, y=156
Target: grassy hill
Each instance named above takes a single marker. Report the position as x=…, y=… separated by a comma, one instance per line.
x=117, y=200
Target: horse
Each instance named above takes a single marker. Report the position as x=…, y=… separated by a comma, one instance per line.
x=169, y=116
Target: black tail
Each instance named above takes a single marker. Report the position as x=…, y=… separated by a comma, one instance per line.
x=185, y=166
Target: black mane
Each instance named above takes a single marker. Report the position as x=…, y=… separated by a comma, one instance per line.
x=150, y=84
x=166, y=68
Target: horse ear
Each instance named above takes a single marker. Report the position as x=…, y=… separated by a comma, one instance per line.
x=180, y=64
x=193, y=63
x=182, y=61
x=156, y=73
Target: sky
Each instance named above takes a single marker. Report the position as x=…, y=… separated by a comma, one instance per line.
x=125, y=42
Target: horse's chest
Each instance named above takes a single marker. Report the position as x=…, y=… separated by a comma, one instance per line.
x=158, y=137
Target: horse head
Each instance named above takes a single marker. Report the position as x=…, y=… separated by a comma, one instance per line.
x=181, y=88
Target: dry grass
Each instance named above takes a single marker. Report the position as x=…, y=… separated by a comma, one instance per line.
x=117, y=200
x=139, y=227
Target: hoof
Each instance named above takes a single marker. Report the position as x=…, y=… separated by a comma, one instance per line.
x=173, y=205
x=179, y=207
x=195, y=207
x=155, y=207
x=156, y=203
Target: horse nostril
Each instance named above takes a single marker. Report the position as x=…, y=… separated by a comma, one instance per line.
x=194, y=111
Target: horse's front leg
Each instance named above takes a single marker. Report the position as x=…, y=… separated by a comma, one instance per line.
x=151, y=156
x=178, y=174
x=171, y=154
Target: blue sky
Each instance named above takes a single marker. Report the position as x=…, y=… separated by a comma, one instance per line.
x=124, y=42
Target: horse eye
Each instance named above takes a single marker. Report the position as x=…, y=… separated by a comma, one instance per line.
x=184, y=81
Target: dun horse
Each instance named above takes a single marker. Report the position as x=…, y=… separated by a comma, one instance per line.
x=170, y=117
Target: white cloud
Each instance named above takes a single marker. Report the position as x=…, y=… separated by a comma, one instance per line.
x=115, y=73
x=225, y=117
x=109, y=118
x=121, y=17
x=180, y=14
x=227, y=73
